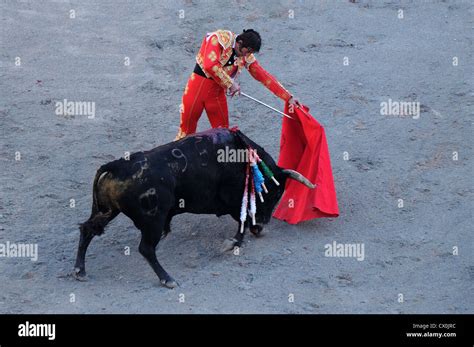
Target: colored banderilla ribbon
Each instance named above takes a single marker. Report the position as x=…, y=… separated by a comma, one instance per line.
x=245, y=201
x=256, y=180
x=266, y=171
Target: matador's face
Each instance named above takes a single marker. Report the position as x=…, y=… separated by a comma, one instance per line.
x=242, y=51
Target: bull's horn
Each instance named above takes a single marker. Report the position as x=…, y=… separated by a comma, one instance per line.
x=299, y=177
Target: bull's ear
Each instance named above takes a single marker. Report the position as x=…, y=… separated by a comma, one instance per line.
x=295, y=175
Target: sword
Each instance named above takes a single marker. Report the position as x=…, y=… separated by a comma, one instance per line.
x=264, y=104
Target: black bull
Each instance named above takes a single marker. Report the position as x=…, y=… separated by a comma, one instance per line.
x=183, y=176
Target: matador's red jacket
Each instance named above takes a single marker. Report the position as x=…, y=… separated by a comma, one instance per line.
x=215, y=51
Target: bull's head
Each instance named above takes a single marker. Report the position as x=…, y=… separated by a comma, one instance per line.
x=265, y=211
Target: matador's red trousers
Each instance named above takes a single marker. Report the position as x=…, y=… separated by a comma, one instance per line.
x=201, y=94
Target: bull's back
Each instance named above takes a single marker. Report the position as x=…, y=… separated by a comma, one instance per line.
x=201, y=173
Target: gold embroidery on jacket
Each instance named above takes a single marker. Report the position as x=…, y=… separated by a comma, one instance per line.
x=222, y=76
x=249, y=59
x=225, y=38
x=212, y=56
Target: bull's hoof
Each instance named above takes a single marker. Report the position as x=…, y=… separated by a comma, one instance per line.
x=256, y=230
x=169, y=283
x=79, y=274
x=228, y=245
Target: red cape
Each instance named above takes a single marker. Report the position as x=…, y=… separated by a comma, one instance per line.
x=303, y=148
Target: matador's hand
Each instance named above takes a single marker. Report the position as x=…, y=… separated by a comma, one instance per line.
x=294, y=101
x=234, y=89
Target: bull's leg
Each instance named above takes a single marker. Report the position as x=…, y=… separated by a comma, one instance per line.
x=80, y=266
x=236, y=241
x=167, y=228
x=93, y=226
x=256, y=229
x=151, y=235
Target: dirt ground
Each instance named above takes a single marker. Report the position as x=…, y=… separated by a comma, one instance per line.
x=409, y=265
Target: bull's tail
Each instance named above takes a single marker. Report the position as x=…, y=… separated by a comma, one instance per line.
x=100, y=215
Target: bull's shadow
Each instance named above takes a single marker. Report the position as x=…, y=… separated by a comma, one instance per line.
x=193, y=175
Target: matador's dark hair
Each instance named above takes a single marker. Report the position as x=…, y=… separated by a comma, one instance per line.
x=250, y=39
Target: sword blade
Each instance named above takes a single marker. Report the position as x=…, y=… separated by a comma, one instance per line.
x=264, y=104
